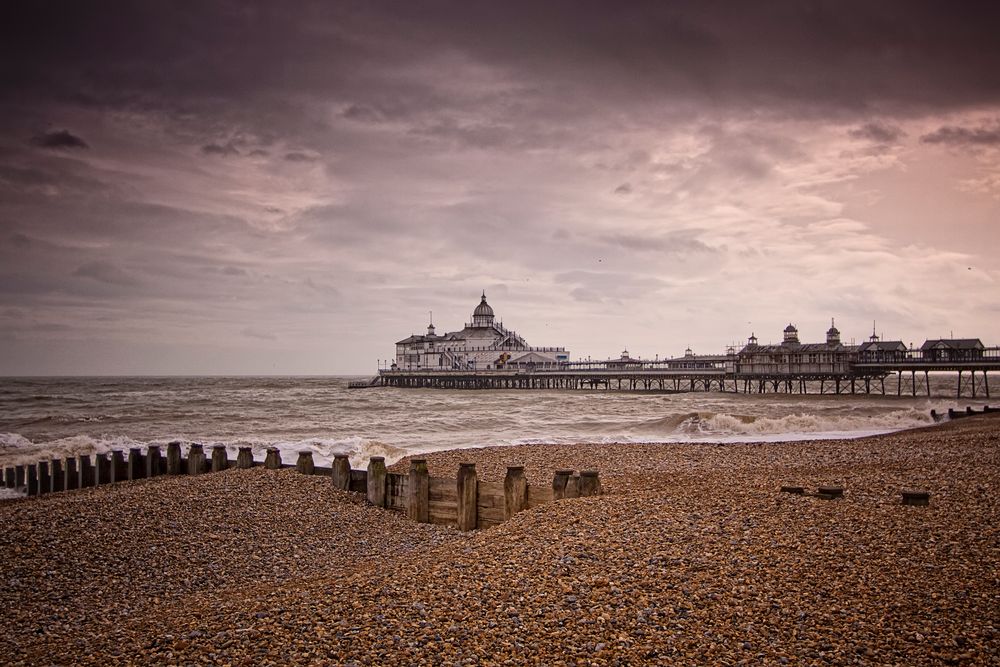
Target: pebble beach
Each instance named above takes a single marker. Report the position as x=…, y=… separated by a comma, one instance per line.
x=692, y=556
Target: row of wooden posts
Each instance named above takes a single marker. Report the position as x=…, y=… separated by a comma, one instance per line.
x=463, y=501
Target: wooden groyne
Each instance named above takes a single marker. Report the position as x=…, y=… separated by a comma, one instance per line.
x=958, y=414
x=463, y=501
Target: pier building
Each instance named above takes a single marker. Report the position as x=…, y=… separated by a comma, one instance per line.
x=483, y=344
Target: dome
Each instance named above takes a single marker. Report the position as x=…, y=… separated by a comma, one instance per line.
x=483, y=309
x=791, y=329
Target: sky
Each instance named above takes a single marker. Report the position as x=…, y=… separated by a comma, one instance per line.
x=255, y=188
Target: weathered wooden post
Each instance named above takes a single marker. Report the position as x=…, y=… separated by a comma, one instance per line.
x=44, y=478
x=19, y=475
x=244, y=459
x=572, y=487
x=196, y=459
x=136, y=464
x=341, y=473
x=173, y=458
x=304, y=464
x=32, y=479
x=418, y=492
x=376, y=481
x=86, y=471
x=102, y=469
x=57, y=475
x=71, y=479
x=468, y=496
x=220, y=459
x=590, y=483
x=154, y=462
x=515, y=491
x=559, y=481
x=119, y=472
x=920, y=498
x=272, y=461
x=8, y=477
x=830, y=492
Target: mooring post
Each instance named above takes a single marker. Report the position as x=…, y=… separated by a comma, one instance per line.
x=196, y=459
x=559, y=481
x=304, y=464
x=32, y=479
x=220, y=459
x=590, y=483
x=118, y=471
x=515, y=491
x=468, y=496
x=71, y=478
x=418, y=492
x=85, y=470
x=154, y=462
x=136, y=464
x=44, y=478
x=173, y=458
x=341, y=473
x=376, y=481
x=244, y=459
x=272, y=461
x=57, y=476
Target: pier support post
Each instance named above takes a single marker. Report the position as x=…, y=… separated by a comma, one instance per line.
x=32, y=479
x=559, y=481
x=85, y=470
x=590, y=483
x=418, y=492
x=515, y=491
x=136, y=464
x=244, y=459
x=71, y=479
x=376, y=481
x=304, y=465
x=272, y=460
x=468, y=493
x=196, y=459
x=220, y=459
x=57, y=475
x=341, y=473
x=118, y=471
x=44, y=478
x=173, y=458
x=154, y=462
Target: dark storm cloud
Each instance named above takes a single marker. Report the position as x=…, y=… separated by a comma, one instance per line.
x=878, y=132
x=297, y=156
x=58, y=140
x=222, y=150
x=964, y=136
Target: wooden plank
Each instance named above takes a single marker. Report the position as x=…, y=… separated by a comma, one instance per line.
x=359, y=481
x=487, y=523
x=441, y=520
x=539, y=494
x=443, y=487
x=490, y=514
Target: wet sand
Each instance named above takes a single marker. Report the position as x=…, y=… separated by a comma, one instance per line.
x=692, y=556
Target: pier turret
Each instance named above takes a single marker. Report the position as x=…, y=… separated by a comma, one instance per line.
x=791, y=335
x=832, y=334
x=482, y=316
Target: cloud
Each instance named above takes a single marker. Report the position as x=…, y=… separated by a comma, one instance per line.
x=251, y=332
x=623, y=189
x=964, y=136
x=58, y=140
x=222, y=150
x=878, y=132
x=297, y=156
x=105, y=272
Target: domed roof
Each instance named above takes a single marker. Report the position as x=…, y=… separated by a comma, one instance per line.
x=483, y=309
x=790, y=328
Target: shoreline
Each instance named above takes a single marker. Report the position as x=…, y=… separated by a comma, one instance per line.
x=692, y=556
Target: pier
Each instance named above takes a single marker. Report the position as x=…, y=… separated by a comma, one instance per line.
x=909, y=374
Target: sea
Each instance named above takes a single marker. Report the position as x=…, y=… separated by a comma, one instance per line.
x=57, y=417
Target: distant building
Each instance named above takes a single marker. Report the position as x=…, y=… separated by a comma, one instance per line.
x=623, y=362
x=876, y=351
x=793, y=357
x=952, y=349
x=482, y=344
